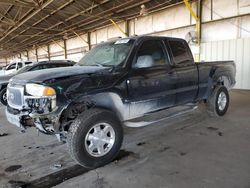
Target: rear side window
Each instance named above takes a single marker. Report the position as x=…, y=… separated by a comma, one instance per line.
x=180, y=52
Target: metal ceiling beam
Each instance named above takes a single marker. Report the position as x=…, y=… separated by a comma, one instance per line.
x=45, y=4
x=18, y=3
x=6, y=12
x=98, y=17
x=39, y=21
x=84, y=24
x=55, y=25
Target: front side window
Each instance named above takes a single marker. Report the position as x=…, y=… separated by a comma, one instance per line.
x=150, y=54
x=108, y=54
x=180, y=51
x=11, y=67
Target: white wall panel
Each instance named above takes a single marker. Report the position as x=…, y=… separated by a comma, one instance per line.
x=245, y=24
x=244, y=6
x=114, y=32
x=221, y=30
x=56, y=47
x=102, y=35
x=24, y=56
x=143, y=25
x=42, y=51
x=76, y=42
x=206, y=12
x=132, y=27
x=57, y=57
x=224, y=8
x=237, y=50
x=180, y=33
x=93, y=39
x=75, y=57
x=32, y=55
x=175, y=17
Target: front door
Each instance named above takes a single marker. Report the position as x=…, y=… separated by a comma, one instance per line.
x=152, y=81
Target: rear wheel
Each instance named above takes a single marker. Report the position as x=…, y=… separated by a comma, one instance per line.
x=95, y=138
x=218, y=102
x=3, y=96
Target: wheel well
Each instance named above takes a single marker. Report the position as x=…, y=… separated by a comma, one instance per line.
x=74, y=109
x=225, y=81
x=3, y=87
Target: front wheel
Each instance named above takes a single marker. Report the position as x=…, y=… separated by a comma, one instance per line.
x=95, y=138
x=218, y=102
x=3, y=96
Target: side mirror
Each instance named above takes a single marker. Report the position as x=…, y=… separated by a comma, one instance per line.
x=144, y=61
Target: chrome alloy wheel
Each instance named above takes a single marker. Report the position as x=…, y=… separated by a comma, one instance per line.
x=222, y=101
x=100, y=139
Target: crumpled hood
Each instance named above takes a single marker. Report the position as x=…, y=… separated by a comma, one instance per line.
x=47, y=74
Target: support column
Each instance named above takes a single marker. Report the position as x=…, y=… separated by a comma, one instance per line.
x=65, y=49
x=89, y=40
x=48, y=50
x=27, y=54
x=36, y=55
x=199, y=21
x=127, y=28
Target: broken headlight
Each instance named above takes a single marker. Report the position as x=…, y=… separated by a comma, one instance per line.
x=43, y=98
x=37, y=90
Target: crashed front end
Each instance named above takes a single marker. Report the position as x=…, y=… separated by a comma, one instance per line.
x=32, y=105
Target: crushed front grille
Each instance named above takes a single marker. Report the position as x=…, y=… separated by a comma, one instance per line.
x=15, y=96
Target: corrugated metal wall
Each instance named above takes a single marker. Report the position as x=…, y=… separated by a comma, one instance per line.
x=237, y=50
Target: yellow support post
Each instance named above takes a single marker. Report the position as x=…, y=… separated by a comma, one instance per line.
x=197, y=28
x=192, y=13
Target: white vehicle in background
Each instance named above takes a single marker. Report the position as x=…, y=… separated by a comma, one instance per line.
x=13, y=67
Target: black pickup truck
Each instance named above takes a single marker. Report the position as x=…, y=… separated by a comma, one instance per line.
x=86, y=105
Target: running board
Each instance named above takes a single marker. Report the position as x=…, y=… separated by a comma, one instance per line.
x=158, y=116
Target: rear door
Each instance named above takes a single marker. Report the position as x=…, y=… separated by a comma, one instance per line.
x=186, y=69
x=152, y=81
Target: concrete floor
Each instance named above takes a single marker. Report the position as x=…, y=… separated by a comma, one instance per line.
x=191, y=151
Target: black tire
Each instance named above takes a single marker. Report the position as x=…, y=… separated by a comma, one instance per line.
x=3, y=97
x=213, y=107
x=78, y=132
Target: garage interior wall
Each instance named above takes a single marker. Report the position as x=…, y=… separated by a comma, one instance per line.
x=225, y=35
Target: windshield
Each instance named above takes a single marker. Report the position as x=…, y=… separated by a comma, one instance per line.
x=108, y=54
x=24, y=69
